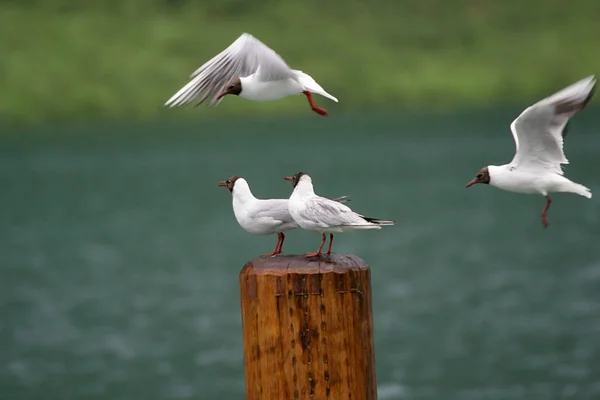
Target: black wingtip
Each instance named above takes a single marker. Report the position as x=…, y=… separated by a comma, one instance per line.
x=590, y=94
x=566, y=129
x=379, y=221
x=582, y=106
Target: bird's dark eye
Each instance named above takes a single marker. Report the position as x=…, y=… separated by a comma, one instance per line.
x=479, y=176
x=228, y=182
x=231, y=87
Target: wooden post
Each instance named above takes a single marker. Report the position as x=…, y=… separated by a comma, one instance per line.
x=308, y=328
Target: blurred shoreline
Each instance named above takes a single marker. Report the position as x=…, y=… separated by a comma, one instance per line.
x=121, y=60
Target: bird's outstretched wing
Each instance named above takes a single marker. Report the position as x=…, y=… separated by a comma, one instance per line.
x=246, y=56
x=539, y=130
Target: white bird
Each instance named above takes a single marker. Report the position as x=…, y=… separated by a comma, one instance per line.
x=249, y=69
x=319, y=214
x=261, y=216
x=538, y=132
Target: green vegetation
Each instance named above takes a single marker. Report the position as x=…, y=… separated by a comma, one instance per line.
x=122, y=59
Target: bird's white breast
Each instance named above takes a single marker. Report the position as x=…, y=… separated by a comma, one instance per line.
x=242, y=215
x=518, y=182
x=524, y=181
x=295, y=206
x=256, y=90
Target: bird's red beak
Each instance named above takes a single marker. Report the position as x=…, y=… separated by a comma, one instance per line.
x=222, y=183
x=223, y=93
x=289, y=178
x=471, y=183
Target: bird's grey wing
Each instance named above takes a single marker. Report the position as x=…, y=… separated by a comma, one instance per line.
x=242, y=58
x=327, y=213
x=269, y=65
x=539, y=130
x=275, y=210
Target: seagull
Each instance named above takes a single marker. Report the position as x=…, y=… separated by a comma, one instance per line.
x=538, y=132
x=249, y=69
x=262, y=216
x=319, y=214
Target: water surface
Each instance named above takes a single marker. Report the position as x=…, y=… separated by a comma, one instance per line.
x=120, y=256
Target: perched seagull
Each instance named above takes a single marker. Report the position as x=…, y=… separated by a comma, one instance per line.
x=319, y=214
x=249, y=69
x=538, y=134
x=262, y=217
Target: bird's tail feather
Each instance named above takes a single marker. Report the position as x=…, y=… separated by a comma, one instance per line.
x=572, y=187
x=382, y=222
x=583, y=191
x=312, y=86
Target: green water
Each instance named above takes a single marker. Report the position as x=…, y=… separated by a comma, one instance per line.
x=119, y=256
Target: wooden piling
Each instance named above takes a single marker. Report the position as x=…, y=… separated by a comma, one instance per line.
x=308, y=328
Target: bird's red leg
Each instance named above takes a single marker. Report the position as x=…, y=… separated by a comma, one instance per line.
x=313, y=105
x=277, y=247
x=545, y=221
x=330, y=242
x=282, y=238
x=316, y=253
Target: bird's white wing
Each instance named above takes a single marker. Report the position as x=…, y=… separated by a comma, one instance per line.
x=242, y=58
x=328, y=213
x=539, y=130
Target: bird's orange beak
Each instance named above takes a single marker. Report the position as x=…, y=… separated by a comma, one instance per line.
x=222, y=183
x=289, y=178
x=472, y=182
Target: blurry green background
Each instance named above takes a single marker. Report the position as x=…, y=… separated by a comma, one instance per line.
x=119, y=255
x=76, y=60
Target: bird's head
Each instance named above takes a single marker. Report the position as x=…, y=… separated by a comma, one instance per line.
x=296, y=178
x=483, y=176
x=233, y=87
x=229, y=183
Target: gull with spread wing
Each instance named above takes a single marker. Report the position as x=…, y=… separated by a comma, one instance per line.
x=538, y=132
x=249, y=69
x=262, y=216
x=319, y=214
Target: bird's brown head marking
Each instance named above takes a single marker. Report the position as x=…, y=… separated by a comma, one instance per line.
x=483, y=176
x=229, y=183
x=233, y=87
x=295, y=179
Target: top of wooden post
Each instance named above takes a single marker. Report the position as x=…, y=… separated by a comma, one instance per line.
x=296, y=263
